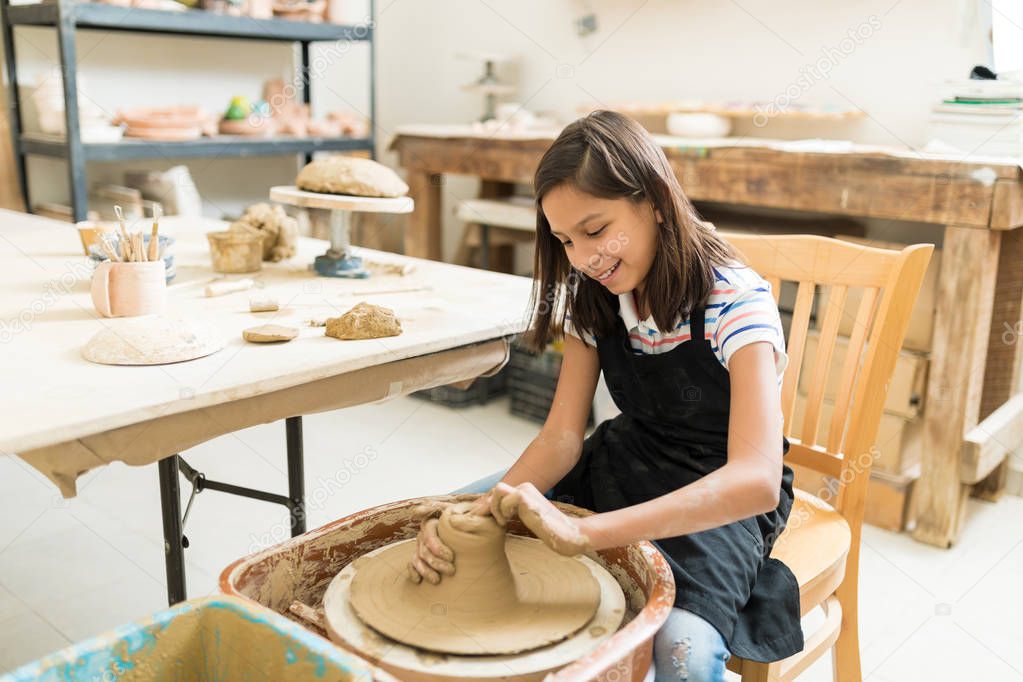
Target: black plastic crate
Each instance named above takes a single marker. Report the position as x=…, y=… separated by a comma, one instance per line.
x=481, y=392
x=532, y=380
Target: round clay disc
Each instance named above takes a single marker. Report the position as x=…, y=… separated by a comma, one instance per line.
x=410, y=663
x=152, y=340
x=557, y=596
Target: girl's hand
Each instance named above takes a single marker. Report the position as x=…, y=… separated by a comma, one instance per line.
x=560, y=532
x=433, y=558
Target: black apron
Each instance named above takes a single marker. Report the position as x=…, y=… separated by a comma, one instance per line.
x=673, y=430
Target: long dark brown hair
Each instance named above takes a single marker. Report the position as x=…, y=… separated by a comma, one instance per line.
x=611, y=156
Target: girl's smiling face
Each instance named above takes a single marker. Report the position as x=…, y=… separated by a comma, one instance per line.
x=610, y=240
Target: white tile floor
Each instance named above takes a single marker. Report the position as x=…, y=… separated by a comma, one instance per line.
x=72, y=569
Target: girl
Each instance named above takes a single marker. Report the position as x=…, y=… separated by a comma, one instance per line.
x=690, y=344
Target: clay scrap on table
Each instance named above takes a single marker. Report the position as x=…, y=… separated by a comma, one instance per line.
x=351, y=175
x=364, y=321
x=507, y=594
x=278, y=230
x=269, y=333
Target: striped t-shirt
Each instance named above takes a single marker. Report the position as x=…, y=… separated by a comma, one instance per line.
x=740, y=310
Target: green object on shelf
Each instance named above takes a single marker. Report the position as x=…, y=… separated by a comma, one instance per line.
x=239, y=109
x=968, y=100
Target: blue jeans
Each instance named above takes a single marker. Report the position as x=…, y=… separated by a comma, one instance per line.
x=685, y=648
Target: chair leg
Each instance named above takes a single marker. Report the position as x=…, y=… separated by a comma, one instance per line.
x=845, y=658
x=757, y=672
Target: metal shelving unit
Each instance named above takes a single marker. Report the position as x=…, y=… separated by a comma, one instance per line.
x=67, y=17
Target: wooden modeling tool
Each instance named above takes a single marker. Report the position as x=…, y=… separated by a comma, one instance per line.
x=125, y=237
x=154, y=238
x=221, y=287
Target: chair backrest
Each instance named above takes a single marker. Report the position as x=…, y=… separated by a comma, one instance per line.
x=890, y=281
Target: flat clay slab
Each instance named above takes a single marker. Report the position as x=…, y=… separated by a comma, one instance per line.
x=269, y=333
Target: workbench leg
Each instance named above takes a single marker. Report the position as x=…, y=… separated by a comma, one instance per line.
x=962, y=324
x=174, y=551
x=500, y=258
x=296, y=474
x=1005, y=348
x=423, y=238
x=484, y=246
x=991, y=487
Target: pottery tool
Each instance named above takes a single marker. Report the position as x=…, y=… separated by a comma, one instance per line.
x=264, y=304
x=154, y=238
x=487, y=84
x=308, y=614
x=339, y=260
x=109, y=250
x=125, y=238
x=380, y=292
x=221, y=287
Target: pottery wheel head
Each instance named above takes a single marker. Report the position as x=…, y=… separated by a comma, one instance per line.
x=508, y=594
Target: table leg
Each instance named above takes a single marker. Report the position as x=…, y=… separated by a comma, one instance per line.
x=484, y=246
x=959, y=352
x=174, y=551
x=993, y=485
x=1005, y=348
x=423, y=239
x=296, y=474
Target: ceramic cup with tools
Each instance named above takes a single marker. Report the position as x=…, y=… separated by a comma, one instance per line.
x=129, y=289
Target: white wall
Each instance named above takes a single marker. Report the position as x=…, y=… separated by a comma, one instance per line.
x=653, y=50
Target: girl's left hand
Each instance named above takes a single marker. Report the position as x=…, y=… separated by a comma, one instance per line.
x=560, y=532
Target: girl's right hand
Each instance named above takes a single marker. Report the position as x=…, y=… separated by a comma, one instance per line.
x=433, y=559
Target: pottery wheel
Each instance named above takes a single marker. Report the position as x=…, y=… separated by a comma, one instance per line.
x=411, y=663
x=505, y=597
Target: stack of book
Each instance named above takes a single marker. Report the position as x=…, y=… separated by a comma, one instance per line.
x=980, y=117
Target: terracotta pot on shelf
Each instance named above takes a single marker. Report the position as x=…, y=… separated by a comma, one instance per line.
x=261, y=9
x=301, y=11
x=262, y=127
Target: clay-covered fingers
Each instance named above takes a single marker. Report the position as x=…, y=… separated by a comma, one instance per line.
x=433, y=559
x=481, y=505
x=420, y=568
x=558, y=531
x=436, y=506
x=503, y=502
x=428, y=510
x=436, y=553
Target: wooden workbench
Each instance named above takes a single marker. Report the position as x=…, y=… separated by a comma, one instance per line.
x=977, y=203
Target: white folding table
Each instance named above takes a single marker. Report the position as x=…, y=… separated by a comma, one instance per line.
x=65, y=415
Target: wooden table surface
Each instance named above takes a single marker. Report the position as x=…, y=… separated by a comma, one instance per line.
x=52, y=395
x=976, y=204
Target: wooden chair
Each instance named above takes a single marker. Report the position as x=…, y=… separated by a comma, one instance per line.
x=821, y=543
